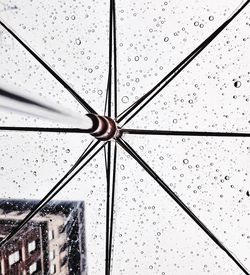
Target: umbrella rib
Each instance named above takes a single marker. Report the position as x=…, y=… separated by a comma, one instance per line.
x=43, y=129
x=110, y=58
x=76, y=168
x=49, y=69
x=145, y=99
x=172, y=194
x=115, y=57
x=107, y=155
x=107, y=94
x=183, y=133
x=112, y=205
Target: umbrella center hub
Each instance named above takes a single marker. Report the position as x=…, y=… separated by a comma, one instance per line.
x=105, y=128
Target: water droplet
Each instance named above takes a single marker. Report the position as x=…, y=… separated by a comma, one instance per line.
x=185, y=161
x=125, y=99
x=211, y=18
x=237, y=84
x=78, y=41
x=166, y=39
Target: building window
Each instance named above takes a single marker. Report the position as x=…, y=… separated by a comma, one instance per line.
x=14, y=258
x=51, y=235
x=32, y=246
x=52, y=255
x=33, y=268
x=63, y=247
x=53, y=269
x=64, y=260
x=61, y=228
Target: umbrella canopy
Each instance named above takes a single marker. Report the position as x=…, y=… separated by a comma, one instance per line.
x=124, y=137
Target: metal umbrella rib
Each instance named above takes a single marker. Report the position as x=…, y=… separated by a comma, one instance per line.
x=49, y=69
x=128, y=114
x=166, y=188
x=77, y=167
x=107, y=155
x=183, y=133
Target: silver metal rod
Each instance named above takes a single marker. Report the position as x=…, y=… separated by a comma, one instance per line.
x=17, y=100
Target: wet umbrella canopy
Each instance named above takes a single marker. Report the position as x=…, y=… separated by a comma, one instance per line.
x=139, y=109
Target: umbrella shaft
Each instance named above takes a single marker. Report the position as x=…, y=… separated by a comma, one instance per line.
x=18, y=101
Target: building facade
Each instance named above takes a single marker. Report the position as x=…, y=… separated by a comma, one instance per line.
x=53, y=242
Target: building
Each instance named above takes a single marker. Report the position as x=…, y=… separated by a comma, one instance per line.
x=52, y=243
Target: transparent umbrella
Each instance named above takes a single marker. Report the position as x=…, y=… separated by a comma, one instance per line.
x=124, y=137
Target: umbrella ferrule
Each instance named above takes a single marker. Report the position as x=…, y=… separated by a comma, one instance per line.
x=104, y=128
